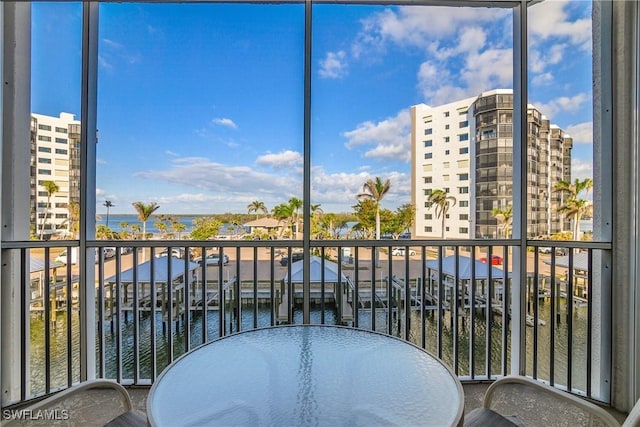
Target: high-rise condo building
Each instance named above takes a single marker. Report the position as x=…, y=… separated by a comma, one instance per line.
x=55, y=157
x=465, y=148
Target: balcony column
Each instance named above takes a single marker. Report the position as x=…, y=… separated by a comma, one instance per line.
x=88, y=136
x=618, y=46
x=520, y=159
x=15, y=66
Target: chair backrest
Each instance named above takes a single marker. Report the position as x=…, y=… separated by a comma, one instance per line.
x=535, y=403
x=633, y=419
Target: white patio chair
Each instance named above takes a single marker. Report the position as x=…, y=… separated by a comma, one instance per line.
x=78, y=407
x=521, y=401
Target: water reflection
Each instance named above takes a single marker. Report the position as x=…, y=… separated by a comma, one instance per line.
x=467, y=361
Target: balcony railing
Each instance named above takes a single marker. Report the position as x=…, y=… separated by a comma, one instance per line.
x=453, y=298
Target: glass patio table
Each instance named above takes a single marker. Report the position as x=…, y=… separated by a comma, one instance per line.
x=306, y=375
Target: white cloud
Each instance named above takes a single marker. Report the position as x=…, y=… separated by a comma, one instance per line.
x=337, y=192
x=104, y=63
x=482, y=70
x=282, y=160
x=582, y=133
x=202, y=173
x=550, y=19
x=101, y=161
x=542, y=79
x=417, y=26
x=581, y=169
x=334, y=65
x=100, y=192
x=217, y=187
x=170, y=153
x=471, y=39
x=188, y=198
x=541, y=57
x=390, y=138
x=492, y=68
x=563, y=103
x=224, y=122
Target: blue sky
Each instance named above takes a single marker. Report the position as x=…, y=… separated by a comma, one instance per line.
x=200, y=106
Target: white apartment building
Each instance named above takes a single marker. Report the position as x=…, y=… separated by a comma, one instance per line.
x=54, y=149
x=466, y=149
x=440, y=159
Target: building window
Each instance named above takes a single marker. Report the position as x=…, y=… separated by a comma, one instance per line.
x=428, y=179
x=463, y=190
x=464, y=217
x=44, y=171
x=44, y=127
x=464, y=150
x=61, y=140
x=446, y=152
x=61, y=151
x=42, y=205
x=463, y=176
x=446, y=189
x=447, y=139
x=445, y=165
x=463, y=230
x=463, y=203
x=464, y=124
x=44, y=149
x=44, y=160
x=463, y=112
x=43, y=193
x=446, y=114
x=61, y=130
x=427, y=192
x=463, y=137
x=44, y=138
x=428, y=229
x=428, y=216
x=428, y=131
x=428, y=155
x=446, y=126
x=61, y=215
x=427, y=205
x=428, y=143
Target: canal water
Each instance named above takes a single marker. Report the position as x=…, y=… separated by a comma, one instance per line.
x=547, y=356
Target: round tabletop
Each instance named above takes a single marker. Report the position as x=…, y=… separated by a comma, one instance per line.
x=306, y=375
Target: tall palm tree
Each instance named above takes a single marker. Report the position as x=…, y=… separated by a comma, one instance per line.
x=442, y=201
x=316, y=217
x=257, y=206
x=51, y=188
x=74, y=218
x=295, y=204
x=505, y=219
x=575, y=207
x=283, y=212
x=144, y=213
x=375, y=190
x=108, y=205
x=574, y=189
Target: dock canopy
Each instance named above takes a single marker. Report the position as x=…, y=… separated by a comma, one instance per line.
x=580, y=261
x=37, y=264
x=160, y=270
x=464, y=268
x=330, y=271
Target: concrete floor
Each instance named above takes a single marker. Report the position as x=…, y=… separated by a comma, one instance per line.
x=99, y=406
